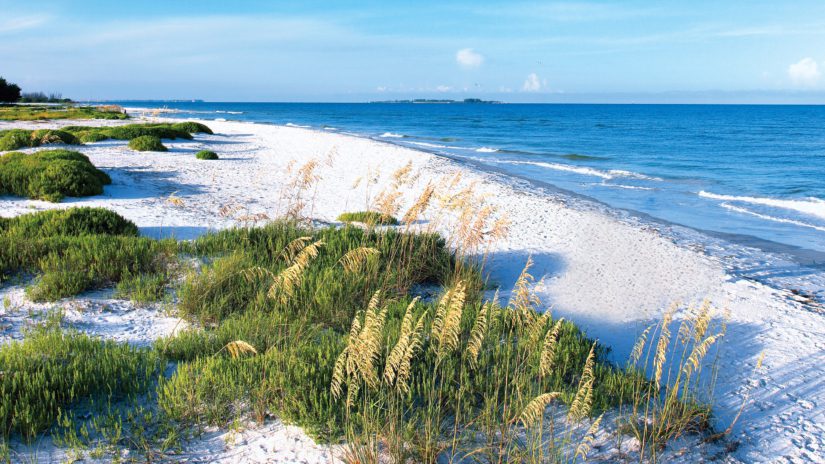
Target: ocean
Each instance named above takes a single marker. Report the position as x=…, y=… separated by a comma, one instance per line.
x=749, y=173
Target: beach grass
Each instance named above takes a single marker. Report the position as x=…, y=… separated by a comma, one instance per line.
x=50, y=175
x=44, y=112
x=369, y=218
x=381, y=338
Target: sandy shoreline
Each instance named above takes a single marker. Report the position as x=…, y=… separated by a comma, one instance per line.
x=610, y=276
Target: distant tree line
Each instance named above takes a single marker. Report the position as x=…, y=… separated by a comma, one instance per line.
x=11, y=93
x=40, y=97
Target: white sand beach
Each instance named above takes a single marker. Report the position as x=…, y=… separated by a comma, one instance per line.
x=610, y=273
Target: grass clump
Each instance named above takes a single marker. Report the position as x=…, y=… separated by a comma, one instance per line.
x=14, y=139
x=81, y=249
x=131, y=131
x=71, y=221
x=143, y=288
x=369, y=218
x=191, y=127
x=147, y=143
x=206, y=155
x=51, y=369
x=44, y=112
x=50, y=175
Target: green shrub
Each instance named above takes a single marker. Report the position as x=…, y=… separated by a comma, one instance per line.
x=14, y=139
x=47, y=136
x=220, y=289
x=206, y=155
x=71, y=265
x=50, y=175
x=143, y=288
x=325, y=293
x=146, y=143
x=368, y=217
x=74, y=250
x=290, y=377
x=133, y=131
x=192, y=127
x=51, y=369
x=71, y=221
x=91, y=136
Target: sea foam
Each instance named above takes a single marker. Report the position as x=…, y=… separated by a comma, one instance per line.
x=770, y=218
x=811, y=206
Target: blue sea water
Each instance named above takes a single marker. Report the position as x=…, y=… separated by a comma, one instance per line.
x=743, y=171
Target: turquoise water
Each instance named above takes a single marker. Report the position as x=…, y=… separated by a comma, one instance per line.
x=750, y=171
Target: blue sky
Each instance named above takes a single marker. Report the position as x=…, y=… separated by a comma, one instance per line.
x=641, y=51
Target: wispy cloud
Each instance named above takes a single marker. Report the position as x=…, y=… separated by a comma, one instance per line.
x=569, y=11
x=21, y=23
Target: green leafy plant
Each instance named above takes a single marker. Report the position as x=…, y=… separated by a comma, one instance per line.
x=146, y=143
x=368, y=217
x=13, y=139
x=206, y=155
x=50, y=175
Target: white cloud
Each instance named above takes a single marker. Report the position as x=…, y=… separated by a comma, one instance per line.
x=468, y=58
x=533, y=83
x=443, y=88
x=804, y=72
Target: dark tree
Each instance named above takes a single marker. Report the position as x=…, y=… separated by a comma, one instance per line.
x=9, y=92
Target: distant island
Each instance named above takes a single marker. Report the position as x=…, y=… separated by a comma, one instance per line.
x=442, y=102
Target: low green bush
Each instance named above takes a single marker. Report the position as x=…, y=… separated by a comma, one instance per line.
x=133, y=131
x=143, y=288
x=130, y=131
x=192, y=127
x=146, y=143
x=324, y=293
x=91, y=136
x=51, y=369
x=14, y=139
x=71, y=221
x=78, y=249
x=50, y=175
x=368, y=217
x=221, y=289
x=206, y=155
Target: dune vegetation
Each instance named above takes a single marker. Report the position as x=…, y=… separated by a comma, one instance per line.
x=50, y=175
x=369, y=218
x=387, y=339
x=206, y=155
x=14, y=139
x=43, y=112
x=147, y=143
x=381, y=338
